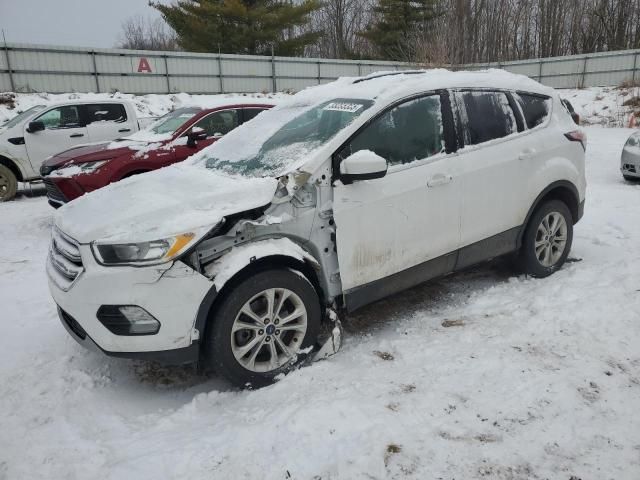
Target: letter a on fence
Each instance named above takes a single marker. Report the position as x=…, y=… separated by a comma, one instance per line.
x=143, y=66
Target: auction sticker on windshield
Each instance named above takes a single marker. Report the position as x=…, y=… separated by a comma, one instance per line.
x=343, y=107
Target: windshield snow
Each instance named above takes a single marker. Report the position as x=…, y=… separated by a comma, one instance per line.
x=172, y=121
x=19, y=118
x=281, y=137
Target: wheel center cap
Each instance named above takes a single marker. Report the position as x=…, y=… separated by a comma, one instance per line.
x=270, y=329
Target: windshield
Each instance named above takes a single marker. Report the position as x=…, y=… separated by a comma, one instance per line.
x=20, y=117
x=292, y=142
x=172, y=121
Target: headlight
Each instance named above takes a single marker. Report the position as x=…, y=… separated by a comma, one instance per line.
x=144, y=253
x=90, y=167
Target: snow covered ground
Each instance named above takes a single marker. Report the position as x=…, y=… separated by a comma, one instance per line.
x=480, y=375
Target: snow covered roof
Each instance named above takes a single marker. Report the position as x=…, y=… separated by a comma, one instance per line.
x=394, y=84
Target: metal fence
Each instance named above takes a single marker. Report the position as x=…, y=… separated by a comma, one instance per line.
x=35, y=68
x=577, y=71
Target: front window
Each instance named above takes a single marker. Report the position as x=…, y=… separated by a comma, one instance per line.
x=172, y=121
x=219, y=123
x=61, y=117
x=22, y=116
x=408, y=132
x=272, y=147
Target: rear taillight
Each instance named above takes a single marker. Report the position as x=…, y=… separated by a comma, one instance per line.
x=577, y=136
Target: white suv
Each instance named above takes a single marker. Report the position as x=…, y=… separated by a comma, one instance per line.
x=345, y=194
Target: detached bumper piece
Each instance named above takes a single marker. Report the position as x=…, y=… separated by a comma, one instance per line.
x=128, y=320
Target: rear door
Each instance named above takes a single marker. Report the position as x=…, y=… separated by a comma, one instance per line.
x=393, y=226
x=64, y=128
x=492, y=170
x=108, y=121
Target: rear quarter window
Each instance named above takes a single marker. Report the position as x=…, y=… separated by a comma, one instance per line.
x=484, y=116
x=535, y=108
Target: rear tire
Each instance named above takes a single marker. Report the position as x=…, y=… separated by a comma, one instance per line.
x=8, y=184
x=547, y=240
x=261, y=326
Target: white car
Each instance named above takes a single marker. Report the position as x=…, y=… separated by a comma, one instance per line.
x=630, y=161
x=343, y=195
x=41, y=131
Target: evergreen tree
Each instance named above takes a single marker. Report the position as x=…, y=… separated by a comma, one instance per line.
x=241, y=26
x=397, y=27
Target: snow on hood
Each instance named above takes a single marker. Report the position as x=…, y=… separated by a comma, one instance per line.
x=159, y=204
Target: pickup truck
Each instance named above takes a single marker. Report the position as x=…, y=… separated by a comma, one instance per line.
x=44, y=130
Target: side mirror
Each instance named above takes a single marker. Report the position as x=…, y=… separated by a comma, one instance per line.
x=363, y=165
x=194, y=135
x=35, y=127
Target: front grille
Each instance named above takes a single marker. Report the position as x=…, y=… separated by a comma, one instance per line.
x=65, y=262
x=72, y=324
x=53, y=192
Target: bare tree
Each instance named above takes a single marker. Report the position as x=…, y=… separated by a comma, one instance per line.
x=340, y=21
x=140, y=33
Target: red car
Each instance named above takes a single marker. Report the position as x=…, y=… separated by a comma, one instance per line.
x=170, y=139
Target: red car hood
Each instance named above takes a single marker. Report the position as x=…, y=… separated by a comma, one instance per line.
x=86, y=153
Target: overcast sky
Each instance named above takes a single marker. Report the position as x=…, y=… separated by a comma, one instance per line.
x=90, y=23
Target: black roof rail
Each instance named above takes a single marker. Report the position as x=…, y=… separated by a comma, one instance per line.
x=390, y=74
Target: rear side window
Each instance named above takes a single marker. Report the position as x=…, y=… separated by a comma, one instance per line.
x=406, y=133
x=536, y=108
x=484, y=116
x=106, y=112
x=251, y=113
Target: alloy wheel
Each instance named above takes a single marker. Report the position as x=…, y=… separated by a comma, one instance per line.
x=268, y=330
x=551, y=239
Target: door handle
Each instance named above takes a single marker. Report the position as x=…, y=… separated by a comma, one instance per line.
x=438, y=180
x=124, y=130
x=76, y=135
x=527, y=154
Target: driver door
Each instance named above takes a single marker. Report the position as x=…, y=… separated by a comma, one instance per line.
x=64, y=129
x=216, y=125
x=400, y=230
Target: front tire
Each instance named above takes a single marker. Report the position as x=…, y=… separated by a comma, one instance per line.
x=547, y=240
x=261, y=327
x=8, y=184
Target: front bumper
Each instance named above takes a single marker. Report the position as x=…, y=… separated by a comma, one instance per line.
x=172, y=293
x=179, y=356
x=61, y=190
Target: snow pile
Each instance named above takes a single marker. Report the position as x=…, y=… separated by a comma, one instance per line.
x=605, y=106
x=480, y=375
x=596, y=105
x=145, y=105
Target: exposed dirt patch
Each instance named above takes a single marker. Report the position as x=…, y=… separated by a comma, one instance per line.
x=8, y=99
x=453, y=323
x=386, y=356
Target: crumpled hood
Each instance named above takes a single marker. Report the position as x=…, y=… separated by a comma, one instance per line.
x=170, y=201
